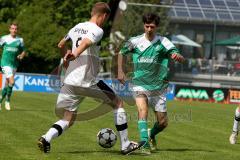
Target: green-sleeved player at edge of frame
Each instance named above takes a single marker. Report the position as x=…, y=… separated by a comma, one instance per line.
x=13, y=51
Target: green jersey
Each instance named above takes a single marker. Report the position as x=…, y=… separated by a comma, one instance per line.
x=150, y=59
x=12, y=47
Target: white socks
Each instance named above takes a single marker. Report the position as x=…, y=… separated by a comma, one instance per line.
x=56, y=130
x=236, y=120
x=120, y=119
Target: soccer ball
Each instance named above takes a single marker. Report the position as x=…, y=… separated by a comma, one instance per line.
x=106, y=138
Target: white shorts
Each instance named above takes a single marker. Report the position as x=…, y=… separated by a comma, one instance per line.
x=156, y=100
x=9, y=71
x=70, y=96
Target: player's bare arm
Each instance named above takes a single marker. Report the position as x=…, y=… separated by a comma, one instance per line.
x=62, y=43
x=63, y=48
x=21, y=56
x=121, y=75
x=85, y=43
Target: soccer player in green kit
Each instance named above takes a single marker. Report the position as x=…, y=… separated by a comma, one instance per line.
x=151, y=54
x=13, y=51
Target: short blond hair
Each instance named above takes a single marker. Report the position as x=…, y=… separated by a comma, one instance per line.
x=100, y=8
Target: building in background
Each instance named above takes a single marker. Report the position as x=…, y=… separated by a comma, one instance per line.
x=207, y=22
x=196, y=20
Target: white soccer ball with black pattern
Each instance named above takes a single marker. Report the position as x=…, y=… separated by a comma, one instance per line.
x=106, y=138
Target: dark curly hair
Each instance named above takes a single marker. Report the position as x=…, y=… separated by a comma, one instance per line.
x=151, y=18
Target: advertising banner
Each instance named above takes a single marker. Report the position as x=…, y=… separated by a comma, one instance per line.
x=201, y=94
x=234, y=96
x=41, y=83
x=171, y=91
x=19, y=81
x=124, y=90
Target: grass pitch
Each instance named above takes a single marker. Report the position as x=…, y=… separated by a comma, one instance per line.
x=196, y=131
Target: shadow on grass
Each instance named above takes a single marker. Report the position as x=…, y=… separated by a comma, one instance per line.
x=184, y=150
x=28, y=110
x=112, y=152
x=116, y=152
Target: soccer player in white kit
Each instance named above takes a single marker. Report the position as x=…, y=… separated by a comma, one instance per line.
x=80, y=80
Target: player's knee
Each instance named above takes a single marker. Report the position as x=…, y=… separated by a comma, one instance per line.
x=11, y=84
x=142, y=112
x=117, y=103
x=163, y=123
x=59, y=112
x=11, y=81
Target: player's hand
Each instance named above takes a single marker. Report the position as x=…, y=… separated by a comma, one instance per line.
x=68, y=57
x=177, y=57
x=20, y=57
x=121, y=77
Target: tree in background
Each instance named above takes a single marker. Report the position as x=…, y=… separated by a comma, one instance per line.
x=42, y=24
x=131, y=18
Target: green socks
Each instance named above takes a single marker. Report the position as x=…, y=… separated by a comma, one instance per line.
x=9, y=93
x=4, y=93
x=155, y=130
x=143, y=130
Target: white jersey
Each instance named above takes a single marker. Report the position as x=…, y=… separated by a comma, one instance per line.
x=84, y=69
